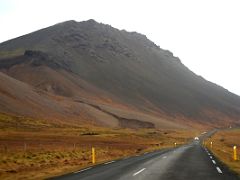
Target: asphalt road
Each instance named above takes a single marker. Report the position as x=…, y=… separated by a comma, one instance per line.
x=190, y=161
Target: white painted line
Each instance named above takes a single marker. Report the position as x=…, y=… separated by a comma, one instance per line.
x=164, y=157
x=109, y=162
x=83, y=170
x=209, y=154
x=219, y=170
x=139, y=172
x=210, y=157
x=214, y=162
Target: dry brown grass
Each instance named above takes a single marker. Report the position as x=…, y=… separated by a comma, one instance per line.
x=39, y=150
x=55, y=151
x=223, y=142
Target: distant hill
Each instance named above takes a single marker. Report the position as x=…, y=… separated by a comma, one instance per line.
x=88, y=72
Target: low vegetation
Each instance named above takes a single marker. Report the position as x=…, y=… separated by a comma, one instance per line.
x=7, y=54
x=28, y=151
x=223, y=142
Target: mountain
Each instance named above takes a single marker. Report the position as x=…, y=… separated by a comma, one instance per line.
x=88, y=72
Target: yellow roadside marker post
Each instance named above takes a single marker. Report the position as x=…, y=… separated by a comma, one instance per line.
x=175, y=144
x=93, y=155
x=234, y=153
x=211, y=144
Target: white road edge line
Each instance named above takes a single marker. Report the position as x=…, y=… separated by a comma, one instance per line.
x=139, y=172
x=214, y=162
x=219, y=170
x=109, y=162
x=164, y=157
x=210, y=157
x=82, y=170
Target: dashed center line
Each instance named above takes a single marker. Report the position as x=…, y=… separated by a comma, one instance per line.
x=219, y=170
x=109, y=162
x=164, y=157
x=214, y=162
x=82, y=170
x=139, y=171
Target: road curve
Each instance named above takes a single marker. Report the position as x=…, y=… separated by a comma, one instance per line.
x=190, y=161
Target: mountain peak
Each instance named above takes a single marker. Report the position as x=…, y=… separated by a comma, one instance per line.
x=85, y=59
x=92, y=21
x=70, y=22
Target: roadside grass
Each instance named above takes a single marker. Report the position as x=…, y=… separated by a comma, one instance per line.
x=46, y=150
x=223, y=142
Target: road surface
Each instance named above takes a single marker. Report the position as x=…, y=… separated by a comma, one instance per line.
x=190, y=161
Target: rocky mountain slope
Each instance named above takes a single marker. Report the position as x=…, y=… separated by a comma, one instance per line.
x=82, y=72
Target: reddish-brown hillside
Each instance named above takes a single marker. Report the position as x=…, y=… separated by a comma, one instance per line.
x=85, y=72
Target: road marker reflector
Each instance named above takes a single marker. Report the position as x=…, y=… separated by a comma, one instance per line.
x=214, y=162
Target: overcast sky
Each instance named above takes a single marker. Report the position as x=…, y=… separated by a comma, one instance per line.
x=204, y=34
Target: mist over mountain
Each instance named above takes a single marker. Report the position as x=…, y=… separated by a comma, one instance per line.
x=79, y=72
